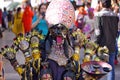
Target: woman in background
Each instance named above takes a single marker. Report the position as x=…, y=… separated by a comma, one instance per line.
x=39, y=22
x=18, y=26
x=10, y=19
x=27, y=17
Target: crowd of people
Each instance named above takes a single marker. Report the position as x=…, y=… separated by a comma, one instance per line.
x=20, y=20
x=84, y=17
x=91, y=21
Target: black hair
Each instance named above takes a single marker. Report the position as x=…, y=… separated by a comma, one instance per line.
x=4, y=8
x=18, y=10
x=106, y=3
x=68, y=73
x=41, y=5
x=45, y=71
x=88, y=3
x=28, y=3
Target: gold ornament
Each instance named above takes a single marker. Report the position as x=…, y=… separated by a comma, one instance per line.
x=36, y=54
x=36, y=59
x=28, y=57
x=97, y=59
x=87, y=58
x=20, y=70
x=80, y=38
x=76, y=57
x=103, y=50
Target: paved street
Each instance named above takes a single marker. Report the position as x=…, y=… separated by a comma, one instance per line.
x=10, y=74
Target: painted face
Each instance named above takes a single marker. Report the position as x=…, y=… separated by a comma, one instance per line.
x=46, y=77
x=59, y=32
x=67, y=78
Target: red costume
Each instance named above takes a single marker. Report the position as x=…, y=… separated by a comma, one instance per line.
x=27, y=19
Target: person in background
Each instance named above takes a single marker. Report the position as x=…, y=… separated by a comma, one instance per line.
x=79, y=23
x=14, y=11
x=97, y=8
x=10, y=19
x=39, y=23
x=27, y=17
x=5, y=19
x=18, y=25
x=89, y=19
x=106, y=28
x=116, y=10
x=1, y=23
x=87, y=6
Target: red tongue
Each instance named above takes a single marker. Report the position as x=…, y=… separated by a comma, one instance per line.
x=59, y=39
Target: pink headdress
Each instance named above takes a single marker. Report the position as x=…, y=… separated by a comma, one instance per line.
x=60, y=11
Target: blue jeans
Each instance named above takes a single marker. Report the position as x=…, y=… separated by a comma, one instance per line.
x=111, y=75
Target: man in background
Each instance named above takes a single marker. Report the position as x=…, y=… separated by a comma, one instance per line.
x=106, y=30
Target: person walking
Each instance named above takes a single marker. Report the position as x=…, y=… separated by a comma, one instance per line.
x=27, y=18
x=0, y=23
x=18, y=25
x=106, y=28
x=10, y=20
x=5, y=18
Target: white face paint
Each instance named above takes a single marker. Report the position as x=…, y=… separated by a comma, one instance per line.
x=67, y=78
x=46, y=77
